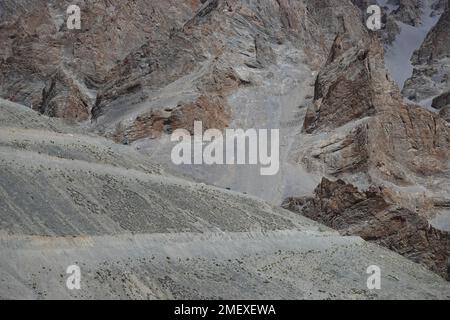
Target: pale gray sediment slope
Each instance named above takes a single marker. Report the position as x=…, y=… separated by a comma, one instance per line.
x=137, y=232
x=286, y=264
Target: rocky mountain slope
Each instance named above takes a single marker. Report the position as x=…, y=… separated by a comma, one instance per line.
x=431, y=61
x=343, y=207
x=405, y=26
x=137, y=71
x=362, y=132
x=137, y=232
x=253, y=60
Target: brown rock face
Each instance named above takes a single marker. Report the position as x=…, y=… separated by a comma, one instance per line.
x=62, y=98
x=116, y=63
x=409, y=12
x=212, y=44
x=445, y=113
x=387, y=139
x=39, y=52
x=373, y=216
x=366, y=134
x=345, y=95
x=153, y=66
x=212, y=111
x=413, y=137
x=150, y=125
x=403, y=146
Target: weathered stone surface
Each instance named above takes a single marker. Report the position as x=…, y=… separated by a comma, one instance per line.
x=436, y=44
x=363, y=132
x=99, y=72
x=408, y=11
x=212, y=111
x=343, y=91
x=139, y=70
x=374, y=217
x=137, y=232
x=431, y=62
x=381, y=136
x=38, y=49
x=149, y=125
x=441, y=101
x=256, y=55
x=445, y=113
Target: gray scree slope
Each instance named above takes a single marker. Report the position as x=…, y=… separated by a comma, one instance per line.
x=137, y=232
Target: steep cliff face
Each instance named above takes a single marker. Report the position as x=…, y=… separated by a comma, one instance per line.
x=431, y=62
x=361, y=131
x=218, y=51
x=344, y=89
x=382, y=136
x=111, y=63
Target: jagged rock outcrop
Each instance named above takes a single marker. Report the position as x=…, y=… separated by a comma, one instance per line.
x=256, y=55
x=40, y=53
x=436, y=44
x=95, y=75
x=381, y=137
x=63, y=98
x=342, y=90
x=376, y=218
x=215, y=64
x=431, y=62
x=212, y=111
x=405, y=25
